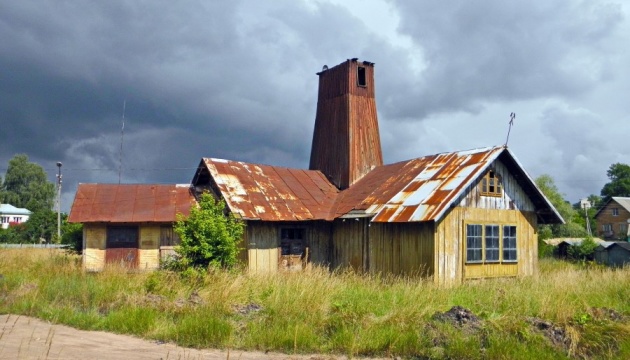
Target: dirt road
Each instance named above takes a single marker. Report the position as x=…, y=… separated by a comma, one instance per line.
x=29, y=338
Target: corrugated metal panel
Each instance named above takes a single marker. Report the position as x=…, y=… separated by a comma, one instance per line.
x=123, y=203
x=423, y=189
x=272, y=193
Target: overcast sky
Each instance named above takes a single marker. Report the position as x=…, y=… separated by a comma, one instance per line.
x=236, y=80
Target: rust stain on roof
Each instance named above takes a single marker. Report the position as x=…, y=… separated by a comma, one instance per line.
x=272, y=193
x=125, y=203
x=415, y=190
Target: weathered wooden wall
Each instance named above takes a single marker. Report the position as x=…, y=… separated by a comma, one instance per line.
x=94, y=253
x=450, y=255
x=149, y=247
x=262, y=239
x=513, y=195
x=402, y=248
x=94, y=236
x=350, y=247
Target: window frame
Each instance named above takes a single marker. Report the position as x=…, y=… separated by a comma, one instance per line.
x=483, y=238
x=117, y=244
x=487, y=238
x=505, y=249
x=491, y=184
x=290, y=241
x=615, y=211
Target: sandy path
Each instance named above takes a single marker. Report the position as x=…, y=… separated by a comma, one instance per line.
x=29, y=338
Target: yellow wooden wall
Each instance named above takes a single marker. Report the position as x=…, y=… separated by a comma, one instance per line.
x=451, y=244
x=94, y=237
x=149, y=249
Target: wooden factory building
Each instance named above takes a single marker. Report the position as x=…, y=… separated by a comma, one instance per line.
x=451, y=216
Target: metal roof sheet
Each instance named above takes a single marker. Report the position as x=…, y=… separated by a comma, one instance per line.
x=126, y=203
x=272, y=193
x=8, y=209
x=423, y=189
x=415, y=190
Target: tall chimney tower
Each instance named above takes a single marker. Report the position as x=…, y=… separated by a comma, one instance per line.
x=346, y=141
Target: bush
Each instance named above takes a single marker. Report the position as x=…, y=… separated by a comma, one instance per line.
x=583, y=250
x=209, y=237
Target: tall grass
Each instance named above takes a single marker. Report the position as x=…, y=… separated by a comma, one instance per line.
x=339, y=312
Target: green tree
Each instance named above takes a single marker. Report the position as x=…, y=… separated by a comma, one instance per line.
x=570, y=228
x=72, y=236
x=209, y=237
x=584, y=250
x=26, y=186
x=619, y=185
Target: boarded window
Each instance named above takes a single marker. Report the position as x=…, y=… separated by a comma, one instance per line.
x=122, y=237
x=509, y=243
x=168, y=237
x=492, y=242
x=474, y=245
x=292, y=241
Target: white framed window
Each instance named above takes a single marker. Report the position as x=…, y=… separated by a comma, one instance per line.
x=615, y=211
x=607, y=228
x=491, y=243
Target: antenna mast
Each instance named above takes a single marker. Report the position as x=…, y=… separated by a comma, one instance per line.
x=122, y=134
x=512, y=116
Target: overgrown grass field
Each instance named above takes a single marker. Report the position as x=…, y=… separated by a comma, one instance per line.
x=567, y=310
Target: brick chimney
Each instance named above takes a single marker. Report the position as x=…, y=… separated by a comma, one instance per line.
x=346, y=140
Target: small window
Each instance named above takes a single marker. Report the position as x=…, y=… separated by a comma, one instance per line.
x=361, y=80
x=492, y=242
x=607, y=227
x=623, y=228
x=292, y=241
x=491, y=184
x=474, y=246
x=122, y=237
x=615, y=212
x=509, y=243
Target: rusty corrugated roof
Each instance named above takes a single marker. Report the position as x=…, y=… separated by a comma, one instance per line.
x=127, y=203
x=423, y=189
x=415, y=190
x=272, y=193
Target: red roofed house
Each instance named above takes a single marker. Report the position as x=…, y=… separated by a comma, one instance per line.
x=129, y=223
x=450, y=216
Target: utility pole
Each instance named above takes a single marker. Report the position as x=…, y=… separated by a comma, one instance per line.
x=588, y=224
x=59, y=202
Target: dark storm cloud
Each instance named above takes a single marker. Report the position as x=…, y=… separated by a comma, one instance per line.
x=497, y=50
x=222, y=79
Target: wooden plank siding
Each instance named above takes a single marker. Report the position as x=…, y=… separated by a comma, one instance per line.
x=450, y=258
x=262, y=242
x=401, y=248
x=95, y=250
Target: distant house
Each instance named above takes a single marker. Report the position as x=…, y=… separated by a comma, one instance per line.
x=10, y=215
x=450, y=216
x=128, y=223
x=613, y=253
x=613, y=219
